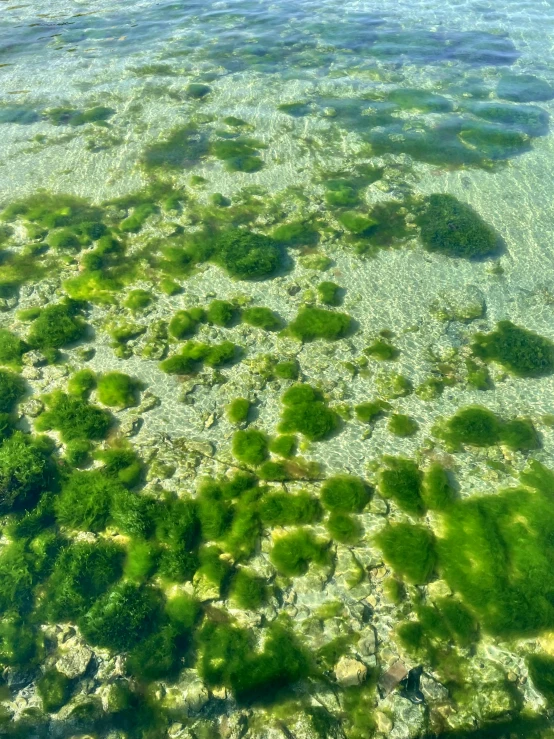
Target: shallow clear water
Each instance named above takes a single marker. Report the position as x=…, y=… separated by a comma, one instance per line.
x=213, y=117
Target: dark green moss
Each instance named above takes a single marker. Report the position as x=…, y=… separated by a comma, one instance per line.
x=121, y=463
x=177, y=523
x=318, y=323
x=343, y=528
x=519, y=434
x=54, y=689
x=296, y=110
x=345, y=494
x=122, y=617
x=238, y=410
x=329, y=293
x=283, y=446
x=272, y=471
x=248, y=590
x=74, y=418
x=170, y=287
x=522, y=352
x=141, y=560
x=137, y=300
x=183, y=611
x=82, y=573
x=459, y=621
x=294, y=552
x=402, y=425
x=246, y=255
x=56, y=326
x=18, y=642
x=12, y=348
x=478, y=426
x=410, y=550
x=116, y=389
x=401, y=481
x=12, y=389
x=437, y=491
x=85, y=500
x=220, y=200
x=306, y=413
x=261, y=318
x=53, y=211
x=454, y=229
x=284, y=509
x=26, y=471
x=250, y=446
x=221, y=312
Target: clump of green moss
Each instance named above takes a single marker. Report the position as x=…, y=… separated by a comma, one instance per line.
x=122, y=617
x=81, y=574
x=345, y=494
x=248, y=590
x=12, y=389
x=250, y=446
x=74, y=418
x=221, y=312
x=401, y=480
x=284, y=509
x=56, y=326
x=260, y=317
x=64, y=239
x=85, y=500
x=283, y=446
x=318, y=323
x=246, y=255
x=238, y=410
x=329, y=293
x=294, y=552
x=170, y=287
x=305, y=412
x=410, y=550
x=343, y=528
x=522, y=352
x=478, y=426
x=81, y=383
x=287, y=370
x=12, y=348
x=194, y=353
x=18, y=642
x=437, y=491
x=402, y=425
x=372, y=410
x=26, y=471
x=53, y=688
x=182, y=325
x=138, y=300
x=117, y=389
x=454, y=229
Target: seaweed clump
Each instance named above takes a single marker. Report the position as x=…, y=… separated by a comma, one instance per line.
x=401, y=480
x=454, y=229
x=305, y=412
x=56, y=326
x=246, y=255
x=480, y=427
x=292, y=553
x=117, y=389
x=345, y=494
x=318, y=323
x=250, y=446
x=410, y=550
x=522, y=352
x=74, y=418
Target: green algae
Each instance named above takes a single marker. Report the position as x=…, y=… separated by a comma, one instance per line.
x=477, y=426
x=250, y=446
x=74, y=418
x=522, y=352
x=182, y=149
x=410, y=550
x=401, y=480
x=317, y=323
x=292, y=553
x=305, y=412
x=238, y=410
x=454, y=229
x=402, y=425
x=116, y=389
x=345, y=494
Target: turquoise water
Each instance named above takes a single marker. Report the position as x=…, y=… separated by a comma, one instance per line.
x=363, y=546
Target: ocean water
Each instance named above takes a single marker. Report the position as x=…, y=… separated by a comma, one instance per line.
x=200, y=120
